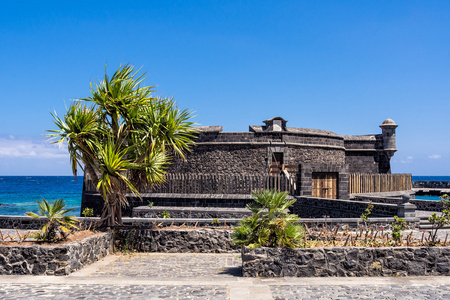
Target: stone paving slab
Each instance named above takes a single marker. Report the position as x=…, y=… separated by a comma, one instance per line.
x=208, y=276
x=95, y=291
x=173, y=266
x=293, y=292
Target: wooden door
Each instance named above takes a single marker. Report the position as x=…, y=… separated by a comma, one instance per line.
x=325, y=185
x=277, y=163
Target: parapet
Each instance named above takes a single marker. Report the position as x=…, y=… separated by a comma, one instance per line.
x=206, y=129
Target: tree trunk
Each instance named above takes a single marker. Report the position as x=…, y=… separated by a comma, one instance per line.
x=112, y=209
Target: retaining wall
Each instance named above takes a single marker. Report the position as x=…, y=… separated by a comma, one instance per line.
x=54, y=260
x=426, y=205
x=149, y=223
x=176, y=240
x=346, y=261
x=432, y=184
x=25, y=222
x=310, y=207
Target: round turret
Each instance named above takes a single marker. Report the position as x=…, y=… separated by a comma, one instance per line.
x=388, y=123
x=388, y=131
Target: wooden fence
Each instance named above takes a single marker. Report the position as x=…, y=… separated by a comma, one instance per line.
x=376, y=183
x=217, y=184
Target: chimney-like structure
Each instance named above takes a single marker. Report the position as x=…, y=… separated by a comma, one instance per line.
x=275, y=124
x=388, y=131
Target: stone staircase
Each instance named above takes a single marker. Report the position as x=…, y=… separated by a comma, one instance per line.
x=425, y=225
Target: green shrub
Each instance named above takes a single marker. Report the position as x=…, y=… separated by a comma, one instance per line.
x=398, y=226
x=165, y=214
x=88, y=212
x=58, y=224
x=437, y=222
x=270, y=224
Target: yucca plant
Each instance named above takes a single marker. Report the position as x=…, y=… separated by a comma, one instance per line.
x=124, y=138
x=270, y=224
x=58, y=224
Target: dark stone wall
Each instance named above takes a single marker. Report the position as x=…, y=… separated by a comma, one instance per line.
x=364, y=154
x=345, y=261
x=176, y=240
x=94, y=201
x=426, y=205
x=25, y=222
x=250, y=159
x=274, y=137
x=309, y=207
x=223, y=159
x=367, y=142
x=315, y=156
x=362, y=162
x=311, y=139
x=432, y=184
x=54, y=260
x=368, y=162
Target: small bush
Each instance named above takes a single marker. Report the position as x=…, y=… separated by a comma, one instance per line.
x=398, y=226
x=440, y=221
x=58, y=225
x=165, y=214
x=88, y=212
x=270, y=224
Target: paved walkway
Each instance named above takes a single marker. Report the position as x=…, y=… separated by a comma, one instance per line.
x=207, y=276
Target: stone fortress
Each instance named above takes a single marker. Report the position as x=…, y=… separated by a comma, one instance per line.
x=321, y=169
x=321, y=160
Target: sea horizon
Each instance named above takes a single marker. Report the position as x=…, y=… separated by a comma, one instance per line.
x=20, y=193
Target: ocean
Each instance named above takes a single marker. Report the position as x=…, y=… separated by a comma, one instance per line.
x=18, y=194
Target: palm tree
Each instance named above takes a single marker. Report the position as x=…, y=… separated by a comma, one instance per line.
x=123, y=137
x=58, y=224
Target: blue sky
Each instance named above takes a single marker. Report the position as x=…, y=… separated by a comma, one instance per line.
x=343, y=66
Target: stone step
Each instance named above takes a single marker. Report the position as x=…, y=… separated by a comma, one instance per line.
x=189, y=212
x=429, y=227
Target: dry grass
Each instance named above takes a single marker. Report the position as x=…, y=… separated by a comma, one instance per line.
x=76, y=236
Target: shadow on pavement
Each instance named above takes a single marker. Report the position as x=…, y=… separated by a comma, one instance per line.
x=232, y=271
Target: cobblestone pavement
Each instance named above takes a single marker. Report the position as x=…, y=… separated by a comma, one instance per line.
x=94, y=291
x=173, y=266
x=400, y=292
x=208, y=276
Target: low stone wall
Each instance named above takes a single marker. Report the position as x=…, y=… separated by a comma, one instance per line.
x=352, y=223
x=432, y=184
x=346, y=261
x=310, y=207
x=175, y=240
x=29, y=223
x=190, y=212
x=54, y=260
x=426, y=205
x=21, y=222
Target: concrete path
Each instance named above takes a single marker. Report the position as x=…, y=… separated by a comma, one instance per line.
x=207, y=276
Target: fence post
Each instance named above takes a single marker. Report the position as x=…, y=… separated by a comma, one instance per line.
x=406, y=209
